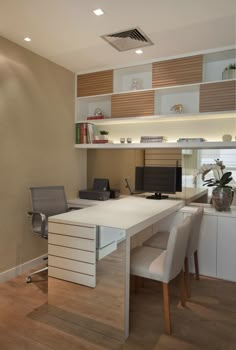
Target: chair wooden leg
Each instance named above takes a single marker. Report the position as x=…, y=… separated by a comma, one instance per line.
x=186, y=277
x=182, y=288
x=196, y=265
x=165, y=288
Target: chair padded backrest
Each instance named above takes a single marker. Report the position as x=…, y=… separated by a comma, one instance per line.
x=195, y=231
x=50, y=200
x=176, y=249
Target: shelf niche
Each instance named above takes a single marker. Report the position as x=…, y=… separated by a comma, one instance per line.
x=133, y=78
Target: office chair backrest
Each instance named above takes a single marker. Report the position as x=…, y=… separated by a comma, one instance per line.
x=49, y=200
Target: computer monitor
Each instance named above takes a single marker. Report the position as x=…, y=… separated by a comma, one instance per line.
x=159, y=180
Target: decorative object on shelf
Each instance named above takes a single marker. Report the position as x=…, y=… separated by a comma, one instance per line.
x=98, y=112
x=129, y=140
x=104, y=134
x=147, y=139
x=97, y=115
x=222, y=194
x=227, y=138
x=136, y=84
x=178, y=108
x=229, y=72
x=122, y=140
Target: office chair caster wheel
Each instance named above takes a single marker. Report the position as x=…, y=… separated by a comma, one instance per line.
x=28, y=279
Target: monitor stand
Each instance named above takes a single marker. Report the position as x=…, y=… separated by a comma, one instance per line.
x=158, y=196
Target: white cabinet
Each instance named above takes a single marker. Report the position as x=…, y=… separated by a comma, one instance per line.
x=207, y=246
x=226, y=248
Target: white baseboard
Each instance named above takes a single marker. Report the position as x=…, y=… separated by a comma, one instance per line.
x=18, y=270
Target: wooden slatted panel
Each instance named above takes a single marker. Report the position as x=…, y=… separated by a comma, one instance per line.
x=156, y=157
x=179, y=71
x=132, y=104
x=216, y=97
x=95, y=83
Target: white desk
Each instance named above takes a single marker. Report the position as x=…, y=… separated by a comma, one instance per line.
x=72, y=258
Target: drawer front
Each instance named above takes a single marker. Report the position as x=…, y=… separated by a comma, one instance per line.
x=72, y=230
x=72, y=265
x=71, y=276
x=70, y=253
x=72, y=242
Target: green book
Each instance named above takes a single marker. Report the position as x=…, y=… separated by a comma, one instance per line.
x=77, y=133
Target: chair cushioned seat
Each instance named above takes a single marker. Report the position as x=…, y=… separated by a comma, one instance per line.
x=148, y=262
x=159, y=240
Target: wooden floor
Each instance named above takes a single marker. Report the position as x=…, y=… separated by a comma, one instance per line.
x=208, y=322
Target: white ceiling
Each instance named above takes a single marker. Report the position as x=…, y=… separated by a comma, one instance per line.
x=68, y=33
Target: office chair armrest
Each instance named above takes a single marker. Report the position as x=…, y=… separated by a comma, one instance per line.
x=43, y=220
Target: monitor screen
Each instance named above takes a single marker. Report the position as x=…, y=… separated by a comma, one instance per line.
x=158, y=180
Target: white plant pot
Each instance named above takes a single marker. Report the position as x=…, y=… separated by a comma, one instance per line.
x=103, y=137
x=229, y=74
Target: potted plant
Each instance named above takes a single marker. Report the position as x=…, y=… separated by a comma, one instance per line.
x=229, y=72
x=222, y=194
x=104, y=134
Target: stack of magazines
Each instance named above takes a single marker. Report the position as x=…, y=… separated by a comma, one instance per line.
x=191, y=139
x=144, y=139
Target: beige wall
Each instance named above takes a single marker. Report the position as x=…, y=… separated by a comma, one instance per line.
x=36, y=144
x=116, y=165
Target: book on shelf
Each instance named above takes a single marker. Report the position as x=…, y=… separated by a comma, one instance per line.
x=85, y=133
x=147, y=139
x=191, y=139
x=100, y=141
x=95, y=117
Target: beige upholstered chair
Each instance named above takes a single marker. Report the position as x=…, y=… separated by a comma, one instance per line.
x=160, y=240
x=164, y=265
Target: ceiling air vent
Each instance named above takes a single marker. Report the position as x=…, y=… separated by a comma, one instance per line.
x=128, y=39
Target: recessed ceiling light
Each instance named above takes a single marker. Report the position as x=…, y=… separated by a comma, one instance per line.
x=27, y=39
x=98, y=12
x=139, y=52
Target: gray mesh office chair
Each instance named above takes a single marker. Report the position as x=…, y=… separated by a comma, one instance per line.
x=46, y=201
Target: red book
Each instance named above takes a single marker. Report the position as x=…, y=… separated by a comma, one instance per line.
x=100, y=141
x=95, y=117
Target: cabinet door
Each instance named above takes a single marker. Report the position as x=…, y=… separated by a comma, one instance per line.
x=226, y=249
x=179, y=71
x=95, y=83
x=132, y=104
x=207, y=247
x=219, y=96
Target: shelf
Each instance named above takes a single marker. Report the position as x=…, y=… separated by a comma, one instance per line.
x=187, y=96
x=180, y=145
x=162, y=118
x=215, y=63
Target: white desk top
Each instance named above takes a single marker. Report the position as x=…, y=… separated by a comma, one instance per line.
x=131, y=213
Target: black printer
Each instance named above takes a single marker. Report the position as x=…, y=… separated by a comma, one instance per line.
x=101, y=191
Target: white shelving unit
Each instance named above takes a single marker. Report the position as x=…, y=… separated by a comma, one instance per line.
x=180, y=145
x=165, y=97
